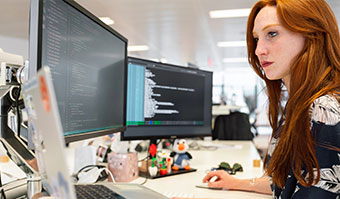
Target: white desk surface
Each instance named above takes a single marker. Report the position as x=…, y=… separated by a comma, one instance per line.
x=9, y=171
x=243, y=152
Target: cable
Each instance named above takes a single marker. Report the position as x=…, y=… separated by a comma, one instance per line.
x=85, y=167
x=147, y=156
x=146, y=179
x=147, y=167
x=113, y=179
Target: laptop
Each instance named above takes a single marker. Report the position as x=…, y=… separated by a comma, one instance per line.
x=44, y=119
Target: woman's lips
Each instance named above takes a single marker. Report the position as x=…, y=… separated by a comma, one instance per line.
x=266, y=64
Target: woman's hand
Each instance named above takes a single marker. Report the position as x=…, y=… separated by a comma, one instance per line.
x=226, y=181
x=223, y=180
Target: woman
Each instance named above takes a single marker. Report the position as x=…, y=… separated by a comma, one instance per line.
x=294, y=45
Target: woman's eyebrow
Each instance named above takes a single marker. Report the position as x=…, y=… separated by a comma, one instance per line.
x=266, y=27
x=269, y=25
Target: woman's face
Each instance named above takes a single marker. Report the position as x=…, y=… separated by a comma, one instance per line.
x=276, y=47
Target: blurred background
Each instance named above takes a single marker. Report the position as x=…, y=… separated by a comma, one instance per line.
x=205, y=34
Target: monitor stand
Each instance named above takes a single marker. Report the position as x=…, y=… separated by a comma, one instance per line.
x=159, y=175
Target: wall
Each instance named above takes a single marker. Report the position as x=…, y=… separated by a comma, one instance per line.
x=16, y=46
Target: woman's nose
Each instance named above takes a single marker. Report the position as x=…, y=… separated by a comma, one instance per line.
x=261, y=48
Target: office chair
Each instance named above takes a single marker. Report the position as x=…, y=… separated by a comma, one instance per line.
x=234, y=126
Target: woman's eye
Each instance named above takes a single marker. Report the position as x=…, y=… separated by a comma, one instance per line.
x=272, y=34
x=256, y=40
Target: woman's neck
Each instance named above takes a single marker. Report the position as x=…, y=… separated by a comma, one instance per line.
x=286, y=81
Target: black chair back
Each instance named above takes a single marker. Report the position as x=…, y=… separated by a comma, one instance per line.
x=235, y=126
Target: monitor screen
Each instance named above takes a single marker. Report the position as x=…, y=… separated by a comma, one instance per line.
x=88, y=62
x=167, y=101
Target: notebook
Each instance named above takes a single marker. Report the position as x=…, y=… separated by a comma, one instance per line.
x=44, y=119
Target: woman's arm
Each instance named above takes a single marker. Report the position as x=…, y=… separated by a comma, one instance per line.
x=226, y=181
x=259, y=185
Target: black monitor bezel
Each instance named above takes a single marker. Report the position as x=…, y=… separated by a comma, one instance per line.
x=35, y=47
x=174, y=136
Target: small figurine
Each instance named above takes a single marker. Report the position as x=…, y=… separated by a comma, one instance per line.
x=162, y=164
x=180, y=155
x=168, y=164
x=153, y=169
x=153, y=150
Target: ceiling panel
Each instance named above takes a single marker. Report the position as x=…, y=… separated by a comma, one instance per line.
x=178, y=30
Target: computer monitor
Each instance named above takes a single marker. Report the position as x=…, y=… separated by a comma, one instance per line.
x=88, y=62
x=167, y=101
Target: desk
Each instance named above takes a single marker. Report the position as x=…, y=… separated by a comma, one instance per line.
x=12, y=177
x=243, y=152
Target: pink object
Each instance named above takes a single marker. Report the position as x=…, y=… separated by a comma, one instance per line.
x=123, y=166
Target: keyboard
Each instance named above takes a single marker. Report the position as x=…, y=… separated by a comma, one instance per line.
x=94, y=191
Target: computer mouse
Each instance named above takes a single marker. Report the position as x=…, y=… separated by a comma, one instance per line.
x=205, y=186
x=213, y=179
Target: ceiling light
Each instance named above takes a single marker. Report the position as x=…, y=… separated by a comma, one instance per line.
x=229, y=13
x=138, y=48
x=235, y=60
x=232, y=43
x=107, y=20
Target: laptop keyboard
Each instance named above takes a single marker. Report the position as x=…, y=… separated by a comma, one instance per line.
x=95, y=192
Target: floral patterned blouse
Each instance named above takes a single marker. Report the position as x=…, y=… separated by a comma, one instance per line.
x=325, y=124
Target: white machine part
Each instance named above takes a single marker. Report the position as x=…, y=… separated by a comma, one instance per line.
x=10, y=63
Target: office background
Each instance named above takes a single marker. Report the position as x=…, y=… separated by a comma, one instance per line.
x=182, y=32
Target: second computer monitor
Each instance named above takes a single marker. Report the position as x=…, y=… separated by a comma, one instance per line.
x=87, y=59
x=167, y=101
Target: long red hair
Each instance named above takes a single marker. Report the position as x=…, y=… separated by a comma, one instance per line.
x=315, y=72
